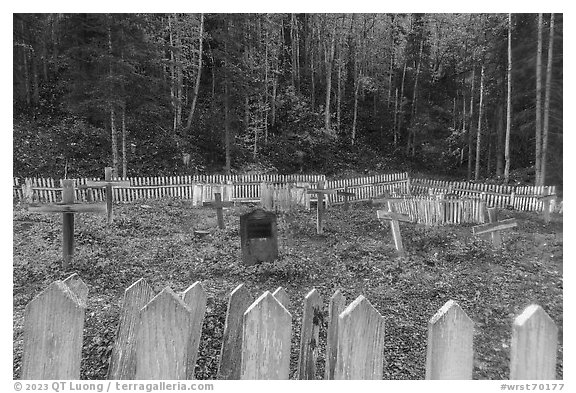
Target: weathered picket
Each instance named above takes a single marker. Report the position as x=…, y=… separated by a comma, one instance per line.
x=368, y=187
x=284, y=197
x=158, y=337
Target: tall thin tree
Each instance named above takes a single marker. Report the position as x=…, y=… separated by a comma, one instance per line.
x=547, y=102
x=509, y=104
x=539, y=102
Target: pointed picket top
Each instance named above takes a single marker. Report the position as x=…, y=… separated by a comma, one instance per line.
x=195, y=297
x=266, y=339
x=123, y=358
x=450, y=351
x=311, y=320
x=53, y=330
x=335, y=308
x=231, y=353
x=163, y=336
x=78, y=287
x=534, y=345
x=282, y=296
x=360, y=356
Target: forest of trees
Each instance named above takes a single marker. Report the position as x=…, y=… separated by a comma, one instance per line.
x=473, y=96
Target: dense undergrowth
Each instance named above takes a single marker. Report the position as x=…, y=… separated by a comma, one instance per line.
x=155, y=240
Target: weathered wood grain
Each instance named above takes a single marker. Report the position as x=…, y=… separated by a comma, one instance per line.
x=231, y=353
x=495, y=226
x=335, y=308
x=282, y=296
x=53, y=329
x=123, y=357
x=360, y=342
x=312, y=318
x=266, y=340
x=450, y=353
x=534, y=344
x=78, y=287
x=163, y=336
x=195, y=298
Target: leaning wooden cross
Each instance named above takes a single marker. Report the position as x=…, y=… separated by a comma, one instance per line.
x=394, y=218
x=346, y=194
x=68, y=207
x=320, y=192
x=218, y=205
x=108, y=184
x=495, y=226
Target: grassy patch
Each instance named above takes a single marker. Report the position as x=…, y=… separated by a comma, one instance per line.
x=155, y=240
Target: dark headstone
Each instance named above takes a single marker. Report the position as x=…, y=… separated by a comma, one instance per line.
x=259, y=237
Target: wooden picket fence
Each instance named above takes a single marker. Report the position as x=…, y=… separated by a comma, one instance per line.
x=158, y=336
x=284, y=197
x=523, y=198
x=247, y=188
x=440, y=210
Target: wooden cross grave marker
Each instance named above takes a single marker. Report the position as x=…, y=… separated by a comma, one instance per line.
x=320, y=192
x=346, y=194
x=68, y=207
x=108, y=183
x=218, y=205
x=394, y=218
x=546, y=200
x=494, y=227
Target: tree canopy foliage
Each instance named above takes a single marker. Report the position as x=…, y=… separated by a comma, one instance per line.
x=160, y=94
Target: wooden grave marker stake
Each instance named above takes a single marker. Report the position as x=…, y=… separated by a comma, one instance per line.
x=53, y=331
x=231, y=352
x=546, y=201
x=449, y=353
x=320, y=192
x=68, y=207
x=309, y=333
x=394, y=218
x=108, y=184
x=360, y=356
x=267, y=327
x=534, y=345
x=218, y=205
x=346, y=194
x=495, y=226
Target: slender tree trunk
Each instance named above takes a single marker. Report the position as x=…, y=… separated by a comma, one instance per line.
x=198, y=76
x=412, y=134
x=454, y=113
x=490, y=148
x=499, y=140
x=124, y=137
x=329, y=61
x=509, y=104
x=547, y=101
x=401, y=112
x=463, y=124
x=227, y=130
x=25, y=66
x=246, y=112
x=539, y=102
x=469, y=175
x=479, y=130
x=113, y=132
x=354, y=121
x=396, y=119
x=173, y=94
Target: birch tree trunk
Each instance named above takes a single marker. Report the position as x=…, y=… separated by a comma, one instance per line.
x=547, y=102
x=479, y=130
x=113, y=132
x=198, y=76
x=469, y=175
x=463, y=124
x=509, y=104
x=539, y=102
x=124, y=137
x=412, y=135
x=401, y=112
x=329, y=61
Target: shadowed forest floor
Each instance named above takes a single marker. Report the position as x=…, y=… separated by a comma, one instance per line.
x=155, y=240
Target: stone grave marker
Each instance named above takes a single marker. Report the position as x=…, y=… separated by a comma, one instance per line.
x=259, y=237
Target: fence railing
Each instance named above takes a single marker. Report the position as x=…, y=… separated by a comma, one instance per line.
x=158, y=336
x=247, y=188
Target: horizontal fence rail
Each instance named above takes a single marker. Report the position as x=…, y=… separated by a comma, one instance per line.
x=247, y=188
x=257, y=336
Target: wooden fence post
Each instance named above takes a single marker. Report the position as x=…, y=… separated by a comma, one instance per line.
x=267, y=328
x=195, y=299
x=335, y=308
x=231, y=353
x=309, y=333
x=533, y=348
x=450, y=352
x=123, y=358
x=163, y=336
x=360, y=356
x=53, y=330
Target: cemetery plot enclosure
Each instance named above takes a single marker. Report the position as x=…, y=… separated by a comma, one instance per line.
x=155, y=241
